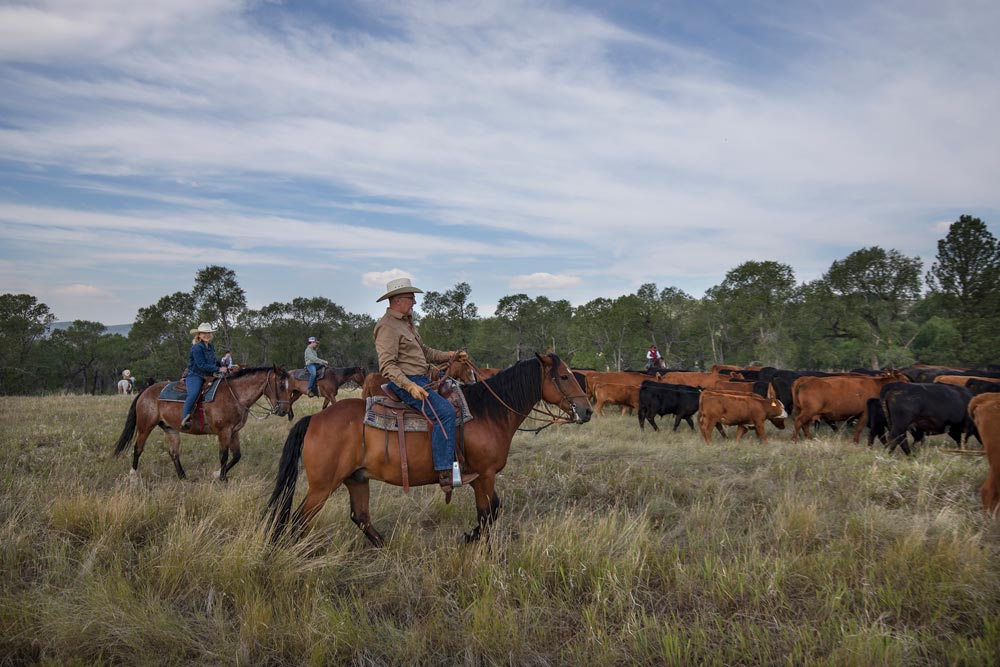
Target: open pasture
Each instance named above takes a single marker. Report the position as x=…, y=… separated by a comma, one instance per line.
x=614, y=547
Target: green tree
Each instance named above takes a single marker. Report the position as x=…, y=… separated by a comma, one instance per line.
x=966, y=275
x=878, y=288
x=450, y=318
x=751, y=304
x=219, y=298
x=23, y=322
x=160, y=336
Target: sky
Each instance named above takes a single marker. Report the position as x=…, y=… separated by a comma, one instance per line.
x=569, y=149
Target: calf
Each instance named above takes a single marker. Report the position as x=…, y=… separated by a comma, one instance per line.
x=659, y=398
x=984, y=410
x=928, y=408
x=716, y=408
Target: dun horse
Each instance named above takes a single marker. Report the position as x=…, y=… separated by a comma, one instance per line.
x=328, y=385
x=224, y=416
x=337, y=449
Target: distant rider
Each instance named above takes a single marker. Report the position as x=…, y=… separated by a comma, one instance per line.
x=313, y=362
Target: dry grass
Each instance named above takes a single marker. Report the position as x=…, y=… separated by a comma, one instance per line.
x=614, y=547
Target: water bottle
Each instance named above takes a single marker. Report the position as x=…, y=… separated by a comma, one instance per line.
x=456, y=474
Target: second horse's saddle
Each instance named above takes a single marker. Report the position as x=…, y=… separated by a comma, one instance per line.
x=303, y=373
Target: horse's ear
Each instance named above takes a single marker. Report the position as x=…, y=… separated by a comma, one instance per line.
x=545, y=359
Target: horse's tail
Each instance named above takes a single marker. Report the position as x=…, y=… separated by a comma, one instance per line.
x=128, y=433
x=280, y=503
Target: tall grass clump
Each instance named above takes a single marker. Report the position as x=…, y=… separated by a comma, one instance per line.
x=613, y=547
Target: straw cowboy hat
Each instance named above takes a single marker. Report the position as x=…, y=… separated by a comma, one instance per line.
x=204, y=327
x=398, y=286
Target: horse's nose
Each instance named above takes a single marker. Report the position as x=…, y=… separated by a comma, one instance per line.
x=586, y=414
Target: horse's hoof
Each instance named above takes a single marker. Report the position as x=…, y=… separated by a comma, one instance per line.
x=217, y=475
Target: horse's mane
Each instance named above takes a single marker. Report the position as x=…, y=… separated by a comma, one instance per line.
x=517, y=386
x=259, y=369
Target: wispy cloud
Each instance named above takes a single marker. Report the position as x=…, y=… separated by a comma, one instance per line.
x=544, y=281
x=495, y=138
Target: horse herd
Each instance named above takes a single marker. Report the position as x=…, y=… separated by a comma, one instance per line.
x=336, y=448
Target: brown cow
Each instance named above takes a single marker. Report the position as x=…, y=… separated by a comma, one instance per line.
x=614, y=387
x=985, y=412
x=716, y=408
x=695, y=379
x=961, y=380
x=836, y=398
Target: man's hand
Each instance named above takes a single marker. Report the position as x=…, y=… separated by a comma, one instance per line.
x=416, y=391
x=461, y=355
x=222, y=370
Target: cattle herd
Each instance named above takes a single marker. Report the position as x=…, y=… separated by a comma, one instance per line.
x=894, y=405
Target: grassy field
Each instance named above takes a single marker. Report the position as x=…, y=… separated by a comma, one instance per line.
x=614, y=547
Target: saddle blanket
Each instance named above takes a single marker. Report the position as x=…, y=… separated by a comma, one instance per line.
x=303, y=373
x=177, y=391
x=385, y=419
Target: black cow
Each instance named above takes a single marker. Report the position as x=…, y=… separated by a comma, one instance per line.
x=982, y=386
x=660, y=398
x=876, y=421
x=927, y=408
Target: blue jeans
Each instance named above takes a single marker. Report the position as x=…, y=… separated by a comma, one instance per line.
x=194, y=383
x=443, y=448
x=312, y=375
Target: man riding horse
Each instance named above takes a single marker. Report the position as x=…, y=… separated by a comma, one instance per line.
x=405, y=361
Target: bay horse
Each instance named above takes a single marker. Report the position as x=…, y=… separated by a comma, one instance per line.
x=328, y=385
x=224, y=416
x=336, y=449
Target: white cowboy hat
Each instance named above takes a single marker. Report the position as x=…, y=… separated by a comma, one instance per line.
x=204, y=327
x=398, y=286
x=126, y=373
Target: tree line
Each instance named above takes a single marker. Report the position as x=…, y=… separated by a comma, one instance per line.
x=873, y=308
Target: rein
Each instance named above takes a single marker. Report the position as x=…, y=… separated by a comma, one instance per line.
x=552, y=417
x=249, y=409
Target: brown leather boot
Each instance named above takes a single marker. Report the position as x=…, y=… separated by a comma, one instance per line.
x=444, y=479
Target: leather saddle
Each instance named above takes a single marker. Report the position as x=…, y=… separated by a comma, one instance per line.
x=177, y=391
x=303, y=373
x=387, y=413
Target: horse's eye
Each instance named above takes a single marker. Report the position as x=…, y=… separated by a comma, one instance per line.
x=563, y=377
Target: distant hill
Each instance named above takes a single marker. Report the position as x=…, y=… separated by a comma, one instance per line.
x=121, y=329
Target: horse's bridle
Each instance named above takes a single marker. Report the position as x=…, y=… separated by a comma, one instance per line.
x=275, y=404
x=552, y=418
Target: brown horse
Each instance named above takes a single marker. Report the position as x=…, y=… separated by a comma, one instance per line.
x=336, y=448
x=224, y=416
x=328, y=385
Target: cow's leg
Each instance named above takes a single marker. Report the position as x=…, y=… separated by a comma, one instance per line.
x=989, y=493
x=359, y=510
x=740, y=430
x=705, y=427
x=642, y=418
x=759, y=427
x=689, y=421
x=861, y=426
x=722, y=431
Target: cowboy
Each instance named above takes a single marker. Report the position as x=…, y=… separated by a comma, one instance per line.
x=313, y=362
x=127, y=375
x=652, y=357
x=404, y=360
x=202, y=364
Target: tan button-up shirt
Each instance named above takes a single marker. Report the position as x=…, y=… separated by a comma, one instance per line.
x=400, y=350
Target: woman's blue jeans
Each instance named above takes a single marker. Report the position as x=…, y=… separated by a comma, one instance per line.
x=194, y=383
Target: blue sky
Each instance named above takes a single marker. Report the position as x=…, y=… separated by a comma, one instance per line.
x=574, y=150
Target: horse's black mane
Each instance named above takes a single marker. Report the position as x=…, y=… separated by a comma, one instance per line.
x=517, y=386
x=259, y=369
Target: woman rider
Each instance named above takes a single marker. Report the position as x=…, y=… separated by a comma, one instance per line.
x=202, y=364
